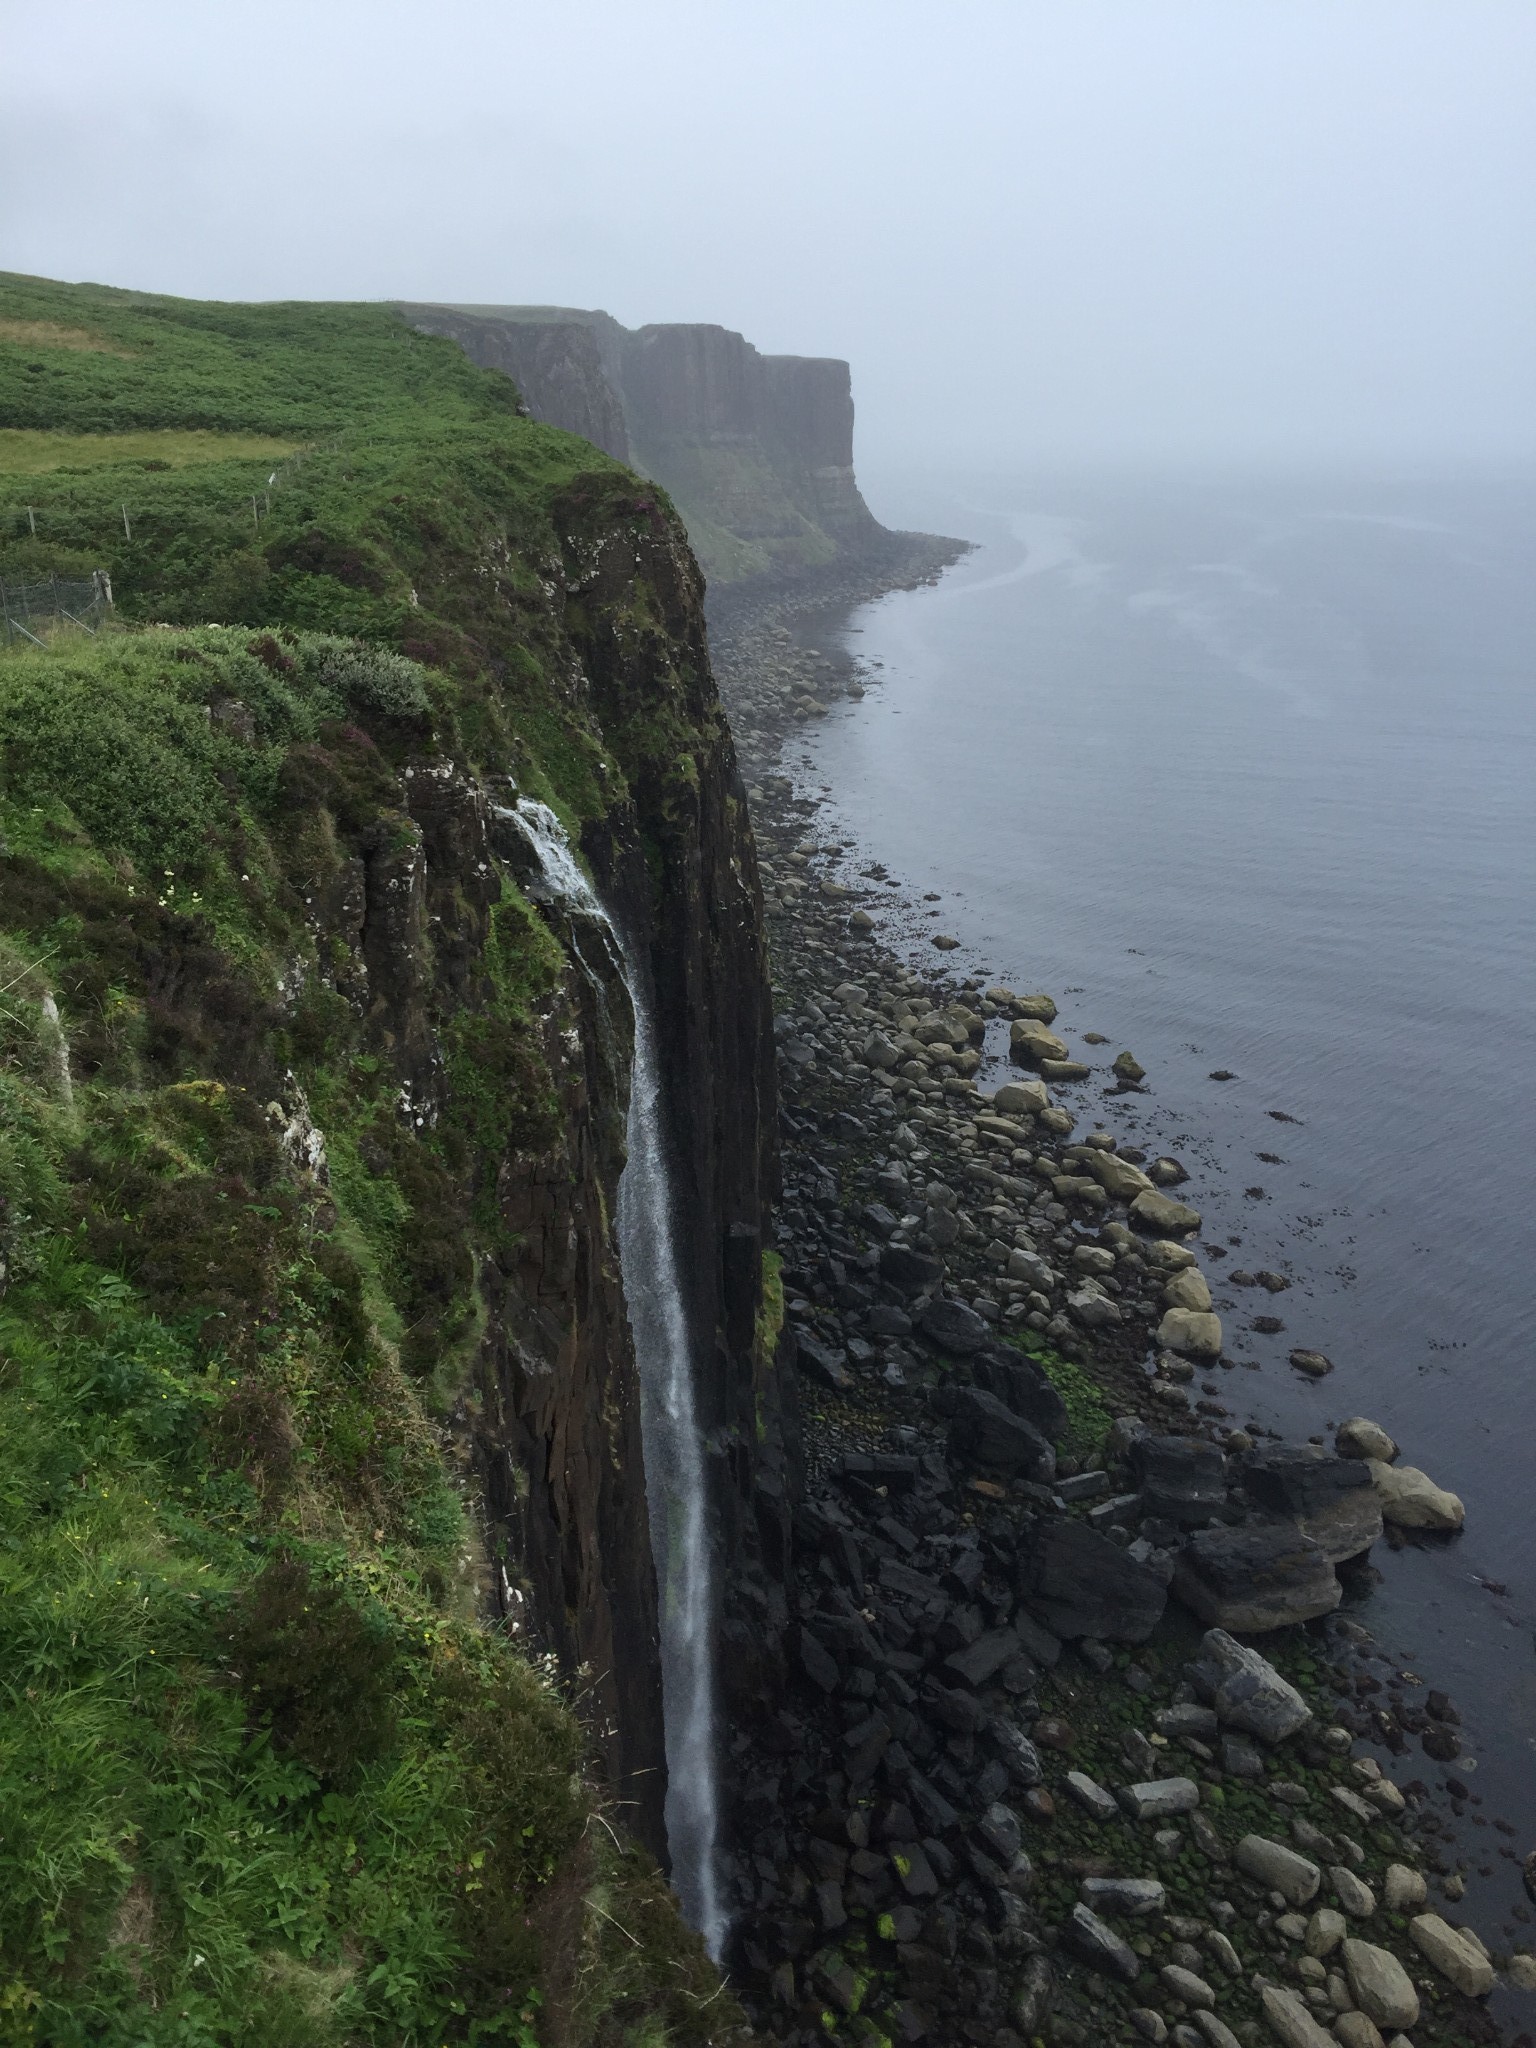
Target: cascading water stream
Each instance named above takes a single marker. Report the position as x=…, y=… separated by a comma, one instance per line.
x=674, y=1454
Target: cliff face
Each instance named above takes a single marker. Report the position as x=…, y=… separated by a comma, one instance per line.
x=555, y=363
x=757, y=451
x=313, y=1124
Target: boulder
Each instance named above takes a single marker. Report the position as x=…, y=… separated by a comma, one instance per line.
x=1354, y=1895
x=1022, y=1384
x=1021, y=1098
x=1089, y=1305
x=952, y=1326
x=1189, y=1289
x=1029, y=1267
x=1128, y=1067
x=1190, y=1333
x=1080, y=1584
x=1100, y=1947
x=1167, y=1256
x=1325, y=1930
x=1278, y=1869
x=985, y=1434
x=1359, y=1438
x=1029, y=1042
x=1090, y=1795
x=909, y=1272
x=1315, y=1364
x=1065, y=1070
x=1381, y=1987
x=1185, y=1985
x=1290, y=2021
x=1404, y=1888
x=825, y=1362
x=1160, y=1798
x=1331, y=1500
x=1246, y=1690
x=1354, y=2030
x=1410, y=1499
x=1119, y=1179
x=983, y=1658
x=1263, y=1576
x=1162, y=1216
x=1124, y=1898
x=1455, y=1953
x=1183, y=1479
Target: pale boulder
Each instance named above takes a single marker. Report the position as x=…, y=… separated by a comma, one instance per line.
x=1411, y=1499
x=1381, y=1987
x=1360, y=1438
x=1191, y=1334
x=1290, y=2021
x=1189, y=1289
x=1021, y=1098
x=1454, y=1953
x=1163, y=1216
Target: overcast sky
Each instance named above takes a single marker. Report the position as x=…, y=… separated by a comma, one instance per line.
x=1077, y=228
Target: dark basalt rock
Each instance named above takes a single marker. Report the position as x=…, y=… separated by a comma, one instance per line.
x=1252, y=1579
x=1329, y=1499
x=1182, y=1479
x=909, y=1272
x=1080, y=1584
x=1023, y=1385
x=986, y=1436
x=954, y=1327
x=1299, y=1479
x=822, y=1361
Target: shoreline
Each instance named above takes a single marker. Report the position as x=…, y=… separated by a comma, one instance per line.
x=908, y=1288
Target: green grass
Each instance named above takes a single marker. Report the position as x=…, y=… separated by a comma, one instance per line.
x=264, y=1777
x=27, y=451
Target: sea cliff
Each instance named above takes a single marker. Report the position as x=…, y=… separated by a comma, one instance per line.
x=331, y=1677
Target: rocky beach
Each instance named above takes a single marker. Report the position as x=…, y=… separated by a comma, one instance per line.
x=1080, y=1738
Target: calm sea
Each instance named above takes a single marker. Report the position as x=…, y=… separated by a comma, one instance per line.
x=1243, y=771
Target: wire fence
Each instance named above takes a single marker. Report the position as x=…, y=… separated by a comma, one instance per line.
x=36, y=518
x=56, y=602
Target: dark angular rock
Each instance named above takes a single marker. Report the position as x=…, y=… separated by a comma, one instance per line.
x=909, y=1272
x=1022, y=1384
x=981, y=1660
x=885, y=1321
x=914, y=1872
x=1182, y=1478
x=954, y=1327
x=817, y=1662
x=1330, y=1499
x=877, y=1218
x=986, y=1435
x=1080, y=1584
x=1100, y=1946
x=1264, y=1576
x=822, y=1361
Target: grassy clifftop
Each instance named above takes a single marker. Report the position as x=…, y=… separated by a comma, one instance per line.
x=265, y=1776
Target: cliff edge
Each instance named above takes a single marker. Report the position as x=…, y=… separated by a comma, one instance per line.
x=756, y=451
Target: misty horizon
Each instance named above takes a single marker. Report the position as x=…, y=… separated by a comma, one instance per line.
x=1288, y=234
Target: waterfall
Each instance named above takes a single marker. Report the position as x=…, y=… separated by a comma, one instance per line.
x=674, y=1453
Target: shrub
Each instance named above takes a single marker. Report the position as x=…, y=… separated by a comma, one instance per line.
x=314, y=1669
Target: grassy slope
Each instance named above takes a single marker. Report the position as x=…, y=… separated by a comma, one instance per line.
x=263, y=1776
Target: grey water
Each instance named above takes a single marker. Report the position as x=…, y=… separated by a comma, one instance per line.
x=674, y=1455
x=1242, y=770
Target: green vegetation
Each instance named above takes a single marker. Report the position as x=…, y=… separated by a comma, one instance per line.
x=265, y=1776
x=25, y=451
x=1088, y=1419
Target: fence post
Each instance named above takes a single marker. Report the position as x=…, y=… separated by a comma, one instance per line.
x=32, y=521
x=127, y=529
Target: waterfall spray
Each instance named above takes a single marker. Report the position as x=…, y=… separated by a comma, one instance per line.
x=674, y=1453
